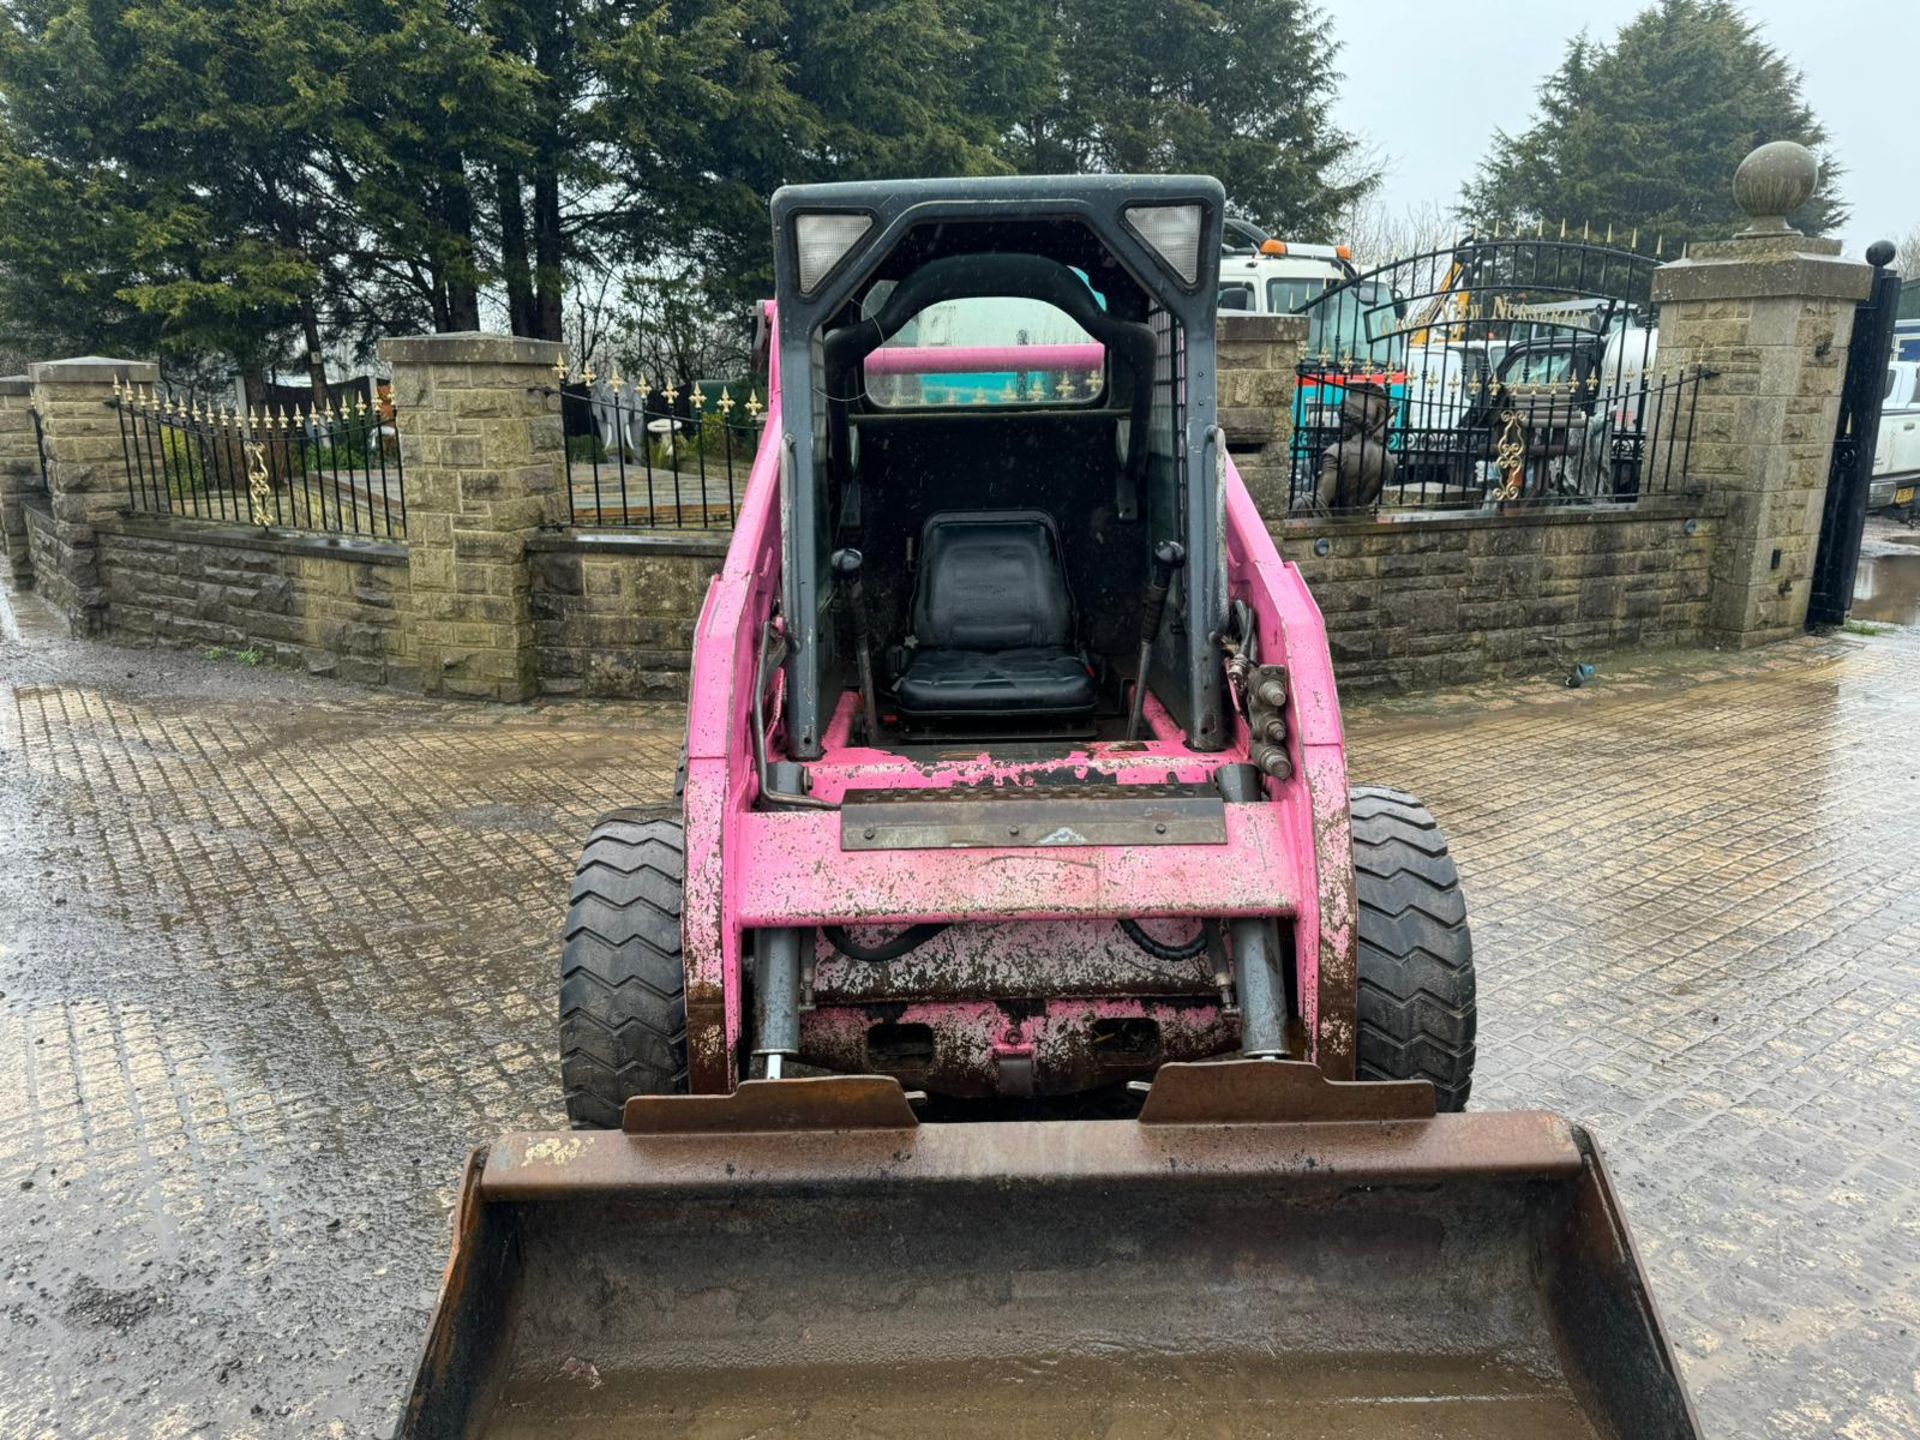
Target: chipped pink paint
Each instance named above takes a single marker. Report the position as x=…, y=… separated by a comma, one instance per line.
x=720, y=789
x=794, y=873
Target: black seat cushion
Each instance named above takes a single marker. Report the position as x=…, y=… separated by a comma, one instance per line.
x=991, y=580
x=992, y=620
x=1044, y=679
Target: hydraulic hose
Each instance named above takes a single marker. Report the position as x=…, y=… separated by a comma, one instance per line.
x=1158, y=949
x=908, y=940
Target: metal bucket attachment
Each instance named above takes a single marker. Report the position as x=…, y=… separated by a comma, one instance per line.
x=1262, y=1252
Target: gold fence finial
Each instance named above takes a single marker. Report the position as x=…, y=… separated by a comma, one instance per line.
x=754, y=407
x=725, y=402
x=561, y=367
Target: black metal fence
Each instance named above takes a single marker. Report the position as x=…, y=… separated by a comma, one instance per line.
x=1494, y=371
x=656, y=457
x=334, y=470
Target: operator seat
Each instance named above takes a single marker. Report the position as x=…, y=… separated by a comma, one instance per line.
x=992, y=622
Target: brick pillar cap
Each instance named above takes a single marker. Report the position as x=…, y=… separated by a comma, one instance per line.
x=469, y=347
x=1240, y=328
x=15, y=385
x=87, y=369
x=1769, y=267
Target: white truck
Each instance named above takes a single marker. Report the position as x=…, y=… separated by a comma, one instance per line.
x=1896, y=451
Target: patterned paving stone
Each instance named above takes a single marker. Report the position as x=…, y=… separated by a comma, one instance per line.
x=1698, y=931
x=274, y=953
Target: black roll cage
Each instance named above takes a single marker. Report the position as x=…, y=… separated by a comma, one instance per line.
x=980, y=261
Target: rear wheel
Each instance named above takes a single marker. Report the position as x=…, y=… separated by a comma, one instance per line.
x=1416, y=991
x=623, y=1003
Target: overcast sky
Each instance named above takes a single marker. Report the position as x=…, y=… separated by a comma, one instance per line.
x=1420, y=85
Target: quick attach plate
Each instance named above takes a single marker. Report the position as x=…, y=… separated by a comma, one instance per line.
x=1032, y=817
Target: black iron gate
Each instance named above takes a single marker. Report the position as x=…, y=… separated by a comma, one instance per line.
x=1843, y=518
x=1498, y=370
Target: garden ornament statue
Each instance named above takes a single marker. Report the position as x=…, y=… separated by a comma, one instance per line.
x=1355, y=469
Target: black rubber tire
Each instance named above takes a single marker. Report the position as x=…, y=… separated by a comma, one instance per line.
x=1416, y=990
x=623, y=999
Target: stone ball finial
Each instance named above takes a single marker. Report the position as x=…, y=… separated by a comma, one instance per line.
x=1772, y=183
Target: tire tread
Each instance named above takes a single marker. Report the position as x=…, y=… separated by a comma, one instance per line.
x=1416, y=995
x=623, y=1006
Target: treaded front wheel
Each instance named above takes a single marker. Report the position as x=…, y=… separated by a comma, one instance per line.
x=623, y=1001
x=1416, y=990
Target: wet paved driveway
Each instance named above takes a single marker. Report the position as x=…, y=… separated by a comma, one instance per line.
x=274, y=953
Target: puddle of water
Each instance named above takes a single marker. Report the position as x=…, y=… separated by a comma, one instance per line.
x=1886, y=588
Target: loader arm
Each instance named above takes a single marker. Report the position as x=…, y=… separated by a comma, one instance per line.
x=1292, y=631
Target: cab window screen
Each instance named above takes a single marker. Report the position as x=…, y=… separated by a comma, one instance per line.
x=985, y=350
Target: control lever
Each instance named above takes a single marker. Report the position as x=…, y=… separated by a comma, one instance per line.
x=846, y=573
x=1168, y=556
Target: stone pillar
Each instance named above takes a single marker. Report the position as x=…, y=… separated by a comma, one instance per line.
x=19, y=474
x=86, y=474
x=1259, y=355
x=481, y=436
x=1770, y=313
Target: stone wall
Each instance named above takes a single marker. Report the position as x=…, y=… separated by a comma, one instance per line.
x=20, y=480
x=43, y=548
x=1259, y=355
x=491, y=599
x=614, y=615
x=1441, y=600
x=332, y=606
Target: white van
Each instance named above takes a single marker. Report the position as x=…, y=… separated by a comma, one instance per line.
x=1896, y=451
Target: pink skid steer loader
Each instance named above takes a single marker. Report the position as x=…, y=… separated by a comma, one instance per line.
x=1017, y=1025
